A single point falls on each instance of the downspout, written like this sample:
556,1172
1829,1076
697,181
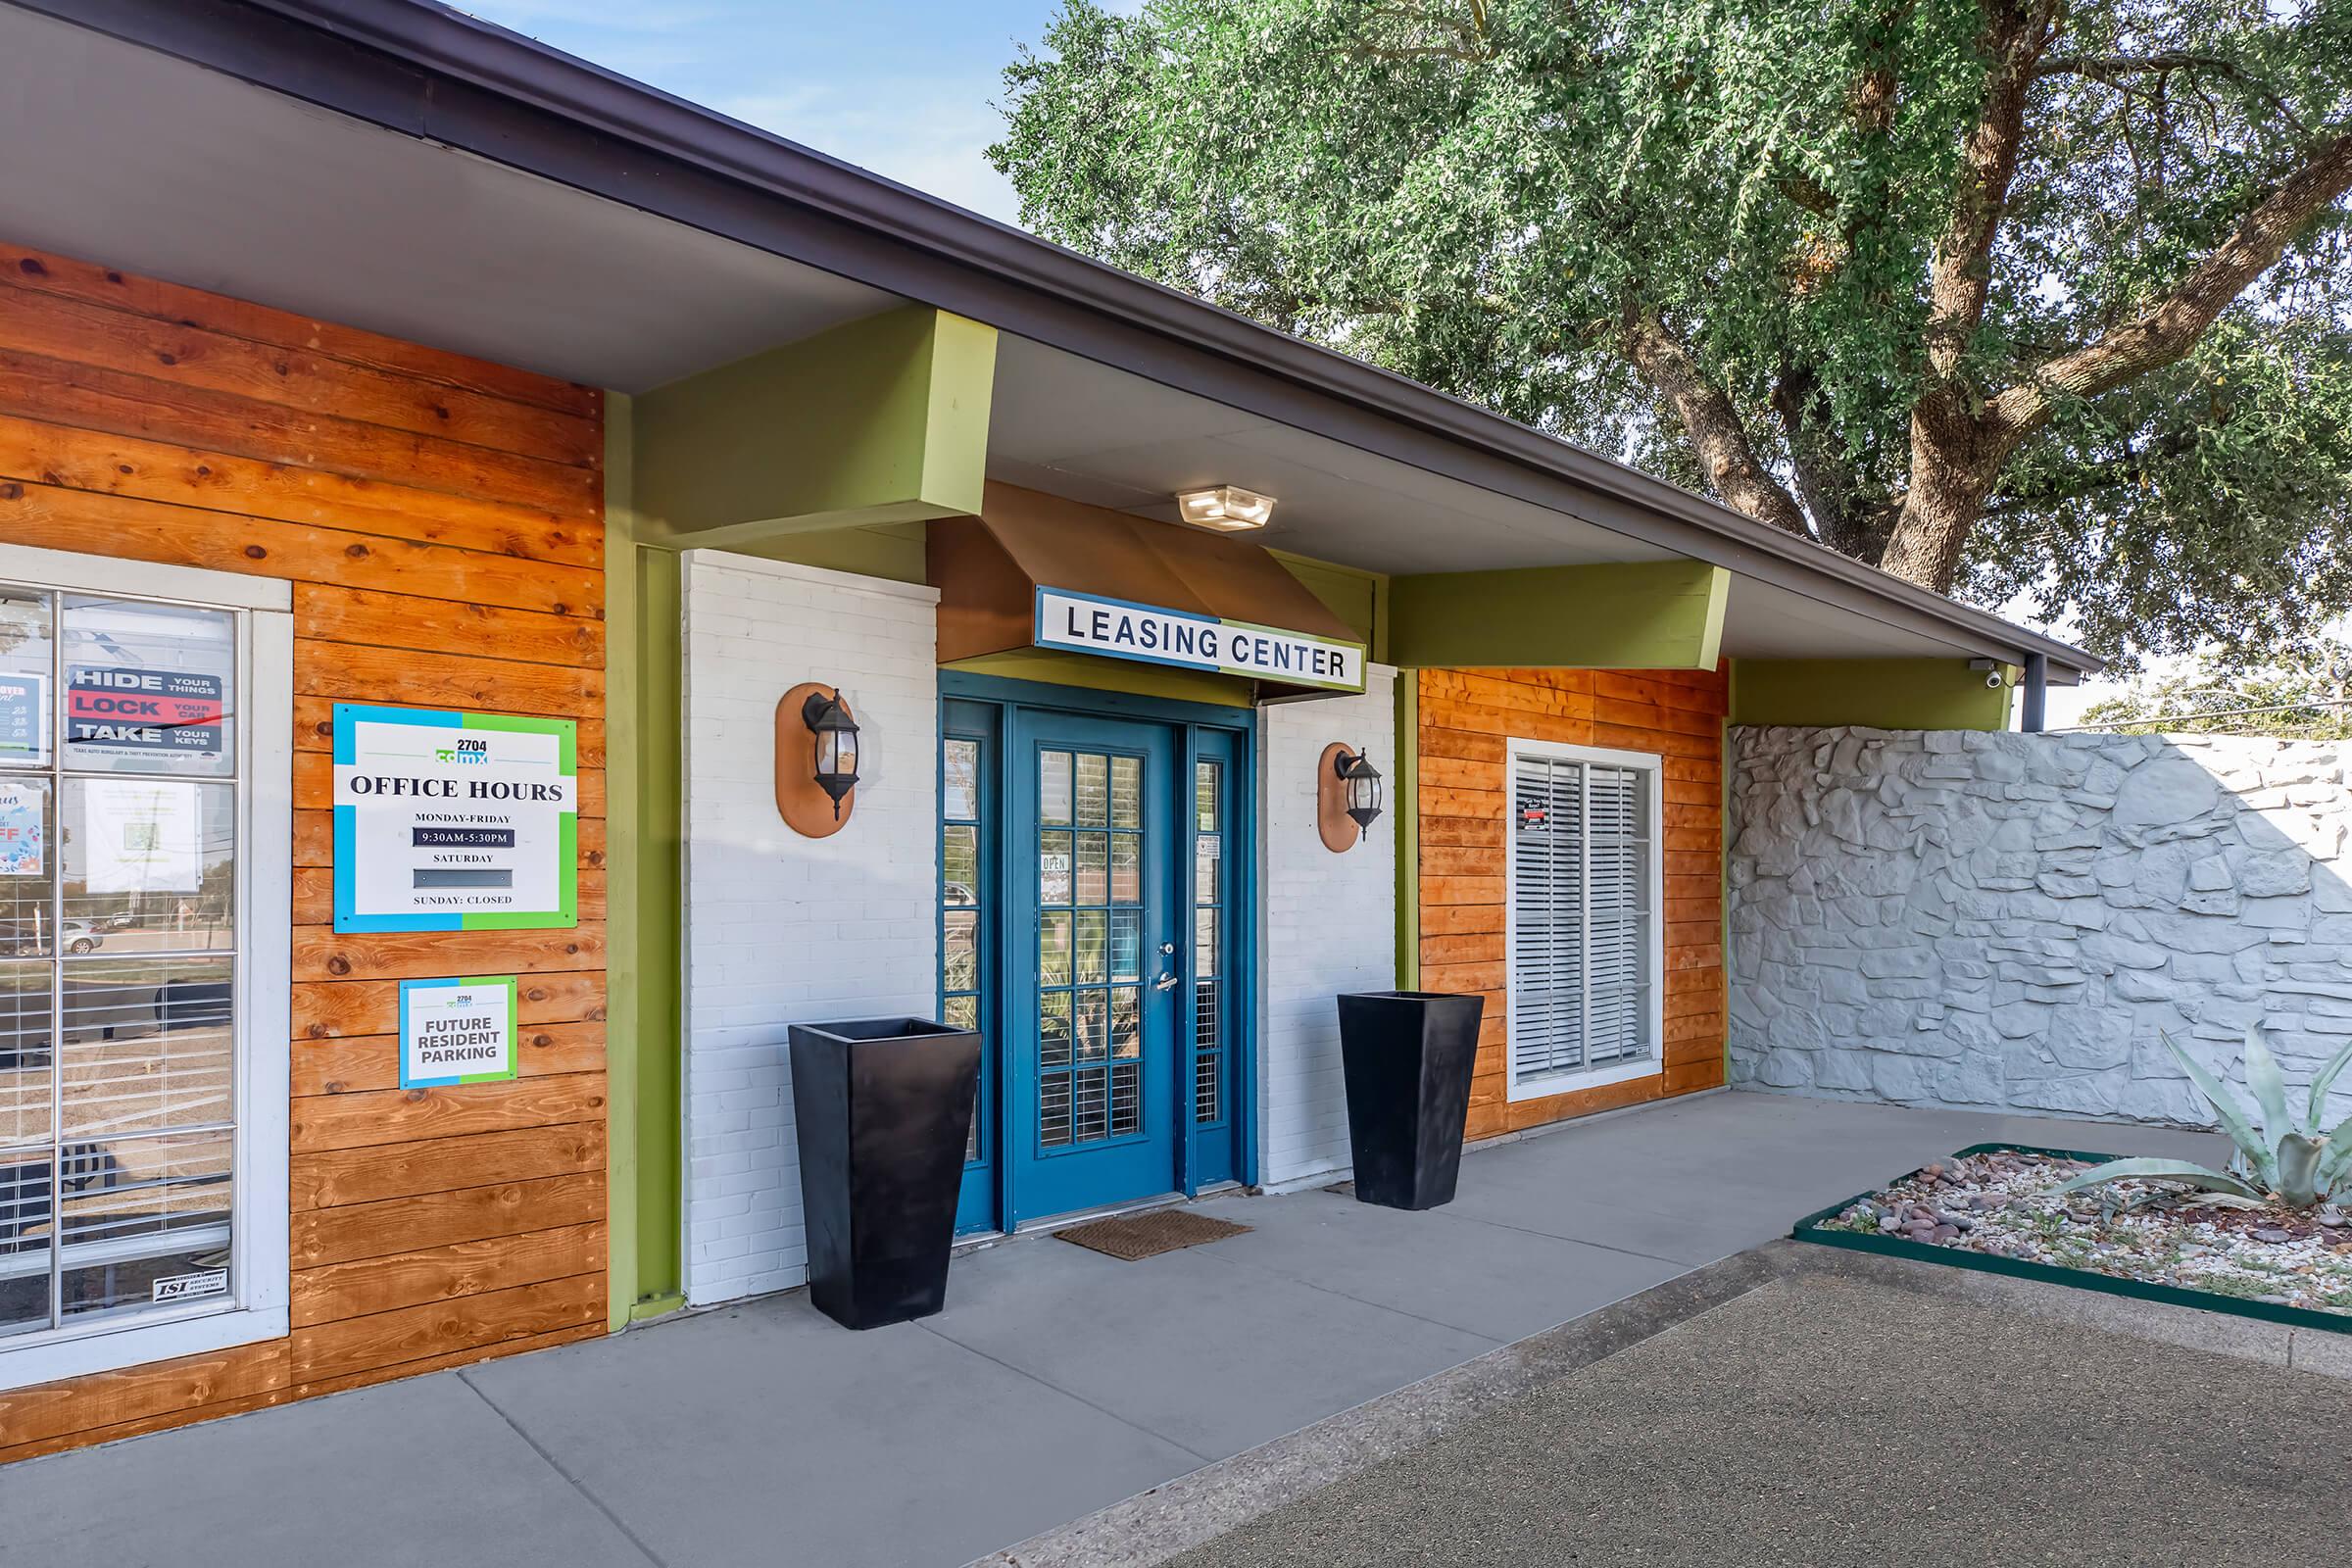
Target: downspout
2037,691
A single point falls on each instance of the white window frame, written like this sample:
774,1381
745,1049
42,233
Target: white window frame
1653,765
260,1259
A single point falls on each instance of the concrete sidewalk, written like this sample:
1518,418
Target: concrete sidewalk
1056,1382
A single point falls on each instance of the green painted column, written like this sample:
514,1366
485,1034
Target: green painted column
832,450
644,1042
1408,829
659,1014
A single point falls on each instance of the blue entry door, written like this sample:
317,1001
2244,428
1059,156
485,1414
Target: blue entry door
1094,1101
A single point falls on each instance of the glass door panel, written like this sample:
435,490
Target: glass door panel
1090,1003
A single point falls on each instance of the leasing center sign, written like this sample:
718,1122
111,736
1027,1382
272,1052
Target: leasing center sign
454,822
1151,635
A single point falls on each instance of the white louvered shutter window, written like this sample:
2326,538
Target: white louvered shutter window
1584,932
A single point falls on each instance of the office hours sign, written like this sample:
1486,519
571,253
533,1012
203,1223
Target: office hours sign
448,821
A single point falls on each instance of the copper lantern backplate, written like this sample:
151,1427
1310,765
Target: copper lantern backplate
1332,820
800,800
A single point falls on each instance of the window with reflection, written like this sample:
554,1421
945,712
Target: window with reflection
119,812
960,963
1089,946
1208,918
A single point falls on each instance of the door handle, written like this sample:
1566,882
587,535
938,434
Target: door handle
1166,982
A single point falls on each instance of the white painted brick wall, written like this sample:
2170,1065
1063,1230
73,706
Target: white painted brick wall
1329,925
782,929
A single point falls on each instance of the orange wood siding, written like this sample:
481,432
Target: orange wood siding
441,520
1467,719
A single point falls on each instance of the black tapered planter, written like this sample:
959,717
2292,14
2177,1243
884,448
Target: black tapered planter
1409,1057
883,1107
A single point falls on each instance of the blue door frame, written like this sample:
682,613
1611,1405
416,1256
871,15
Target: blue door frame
1202,901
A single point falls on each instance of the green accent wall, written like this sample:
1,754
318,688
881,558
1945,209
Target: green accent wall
892,550
878,421
1646,614
1880,693
1358,597
643,869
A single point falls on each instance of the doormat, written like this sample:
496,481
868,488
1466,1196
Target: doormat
1130,1237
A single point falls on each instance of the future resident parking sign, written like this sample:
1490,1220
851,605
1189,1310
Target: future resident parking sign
457,1031
448,821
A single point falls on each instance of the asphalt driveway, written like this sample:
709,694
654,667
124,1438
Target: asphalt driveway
1827,1420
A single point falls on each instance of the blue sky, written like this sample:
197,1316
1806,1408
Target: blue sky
902,88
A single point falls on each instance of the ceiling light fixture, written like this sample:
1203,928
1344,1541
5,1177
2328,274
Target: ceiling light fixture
1225,508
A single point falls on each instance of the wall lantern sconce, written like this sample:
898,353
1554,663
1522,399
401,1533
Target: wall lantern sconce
1347,797
816,759
1225,508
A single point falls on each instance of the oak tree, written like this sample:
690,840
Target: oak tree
2005,296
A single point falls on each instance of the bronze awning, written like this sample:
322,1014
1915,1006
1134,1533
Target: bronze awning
1028,550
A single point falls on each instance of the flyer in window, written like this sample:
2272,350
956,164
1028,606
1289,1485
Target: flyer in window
448,821
140,835
23,717
21,804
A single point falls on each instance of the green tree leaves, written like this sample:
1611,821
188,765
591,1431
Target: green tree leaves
1528,202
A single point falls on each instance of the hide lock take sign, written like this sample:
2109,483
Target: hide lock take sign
143,711
457,1031
448,821
1151,634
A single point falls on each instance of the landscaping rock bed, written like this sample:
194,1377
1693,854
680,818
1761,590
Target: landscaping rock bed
2003,1203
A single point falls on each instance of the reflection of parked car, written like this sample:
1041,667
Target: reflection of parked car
30,936
959,896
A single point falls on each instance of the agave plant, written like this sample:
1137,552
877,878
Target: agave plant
2284,1157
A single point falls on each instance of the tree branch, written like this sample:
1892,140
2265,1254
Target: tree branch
1472,45
1725,451
2167,330
1949,482
1960,275
2107,67
2114,70
1823,482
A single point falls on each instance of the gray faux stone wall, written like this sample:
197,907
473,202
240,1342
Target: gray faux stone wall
2008,922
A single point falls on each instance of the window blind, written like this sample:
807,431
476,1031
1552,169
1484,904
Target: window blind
1582,940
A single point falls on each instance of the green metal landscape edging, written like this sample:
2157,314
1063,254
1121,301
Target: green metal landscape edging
1811,1229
